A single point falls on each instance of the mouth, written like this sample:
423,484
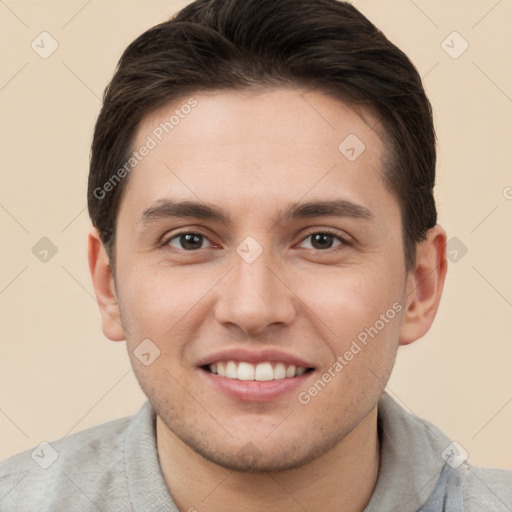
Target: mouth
261,372
248,375
263,381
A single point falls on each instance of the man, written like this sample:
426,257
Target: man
265,238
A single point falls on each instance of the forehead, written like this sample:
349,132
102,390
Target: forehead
250,149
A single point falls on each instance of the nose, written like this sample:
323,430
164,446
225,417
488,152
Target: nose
255,297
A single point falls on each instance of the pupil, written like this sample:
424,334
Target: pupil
323,240
191,241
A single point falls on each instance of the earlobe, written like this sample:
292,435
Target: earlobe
104,288
425,286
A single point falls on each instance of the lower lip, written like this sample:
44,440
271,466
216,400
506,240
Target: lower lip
253,390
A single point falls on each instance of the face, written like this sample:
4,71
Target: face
285,265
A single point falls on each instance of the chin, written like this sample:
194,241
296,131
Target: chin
249,459
256,453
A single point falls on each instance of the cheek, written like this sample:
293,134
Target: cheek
161,303
151,302
362,311
348,301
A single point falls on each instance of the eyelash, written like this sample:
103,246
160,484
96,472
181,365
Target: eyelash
326,231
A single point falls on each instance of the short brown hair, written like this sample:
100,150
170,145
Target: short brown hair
325,45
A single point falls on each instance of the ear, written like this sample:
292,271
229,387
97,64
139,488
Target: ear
425,286
104,288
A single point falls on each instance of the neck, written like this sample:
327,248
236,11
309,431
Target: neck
343,479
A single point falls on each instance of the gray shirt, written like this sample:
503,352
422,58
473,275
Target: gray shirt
113,467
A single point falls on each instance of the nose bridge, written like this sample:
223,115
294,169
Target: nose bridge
253,297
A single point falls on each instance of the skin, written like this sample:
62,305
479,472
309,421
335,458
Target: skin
252,154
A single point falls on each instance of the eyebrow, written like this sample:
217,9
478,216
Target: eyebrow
168,208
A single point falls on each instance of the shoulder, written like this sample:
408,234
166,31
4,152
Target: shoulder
405,440
65,472
487,489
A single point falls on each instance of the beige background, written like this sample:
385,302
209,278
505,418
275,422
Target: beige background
58,374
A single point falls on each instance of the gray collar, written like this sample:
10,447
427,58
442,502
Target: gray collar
411,461
146,483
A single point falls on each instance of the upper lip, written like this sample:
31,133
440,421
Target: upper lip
255,357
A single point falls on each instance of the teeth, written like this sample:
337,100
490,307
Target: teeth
290,371
245,371
231,371
279,371
260,372
264,371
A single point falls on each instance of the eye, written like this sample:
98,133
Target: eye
186,240
325,239
191,241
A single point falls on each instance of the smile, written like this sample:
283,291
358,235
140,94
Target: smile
264,371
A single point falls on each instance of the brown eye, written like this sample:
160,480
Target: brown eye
187,241
322,240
